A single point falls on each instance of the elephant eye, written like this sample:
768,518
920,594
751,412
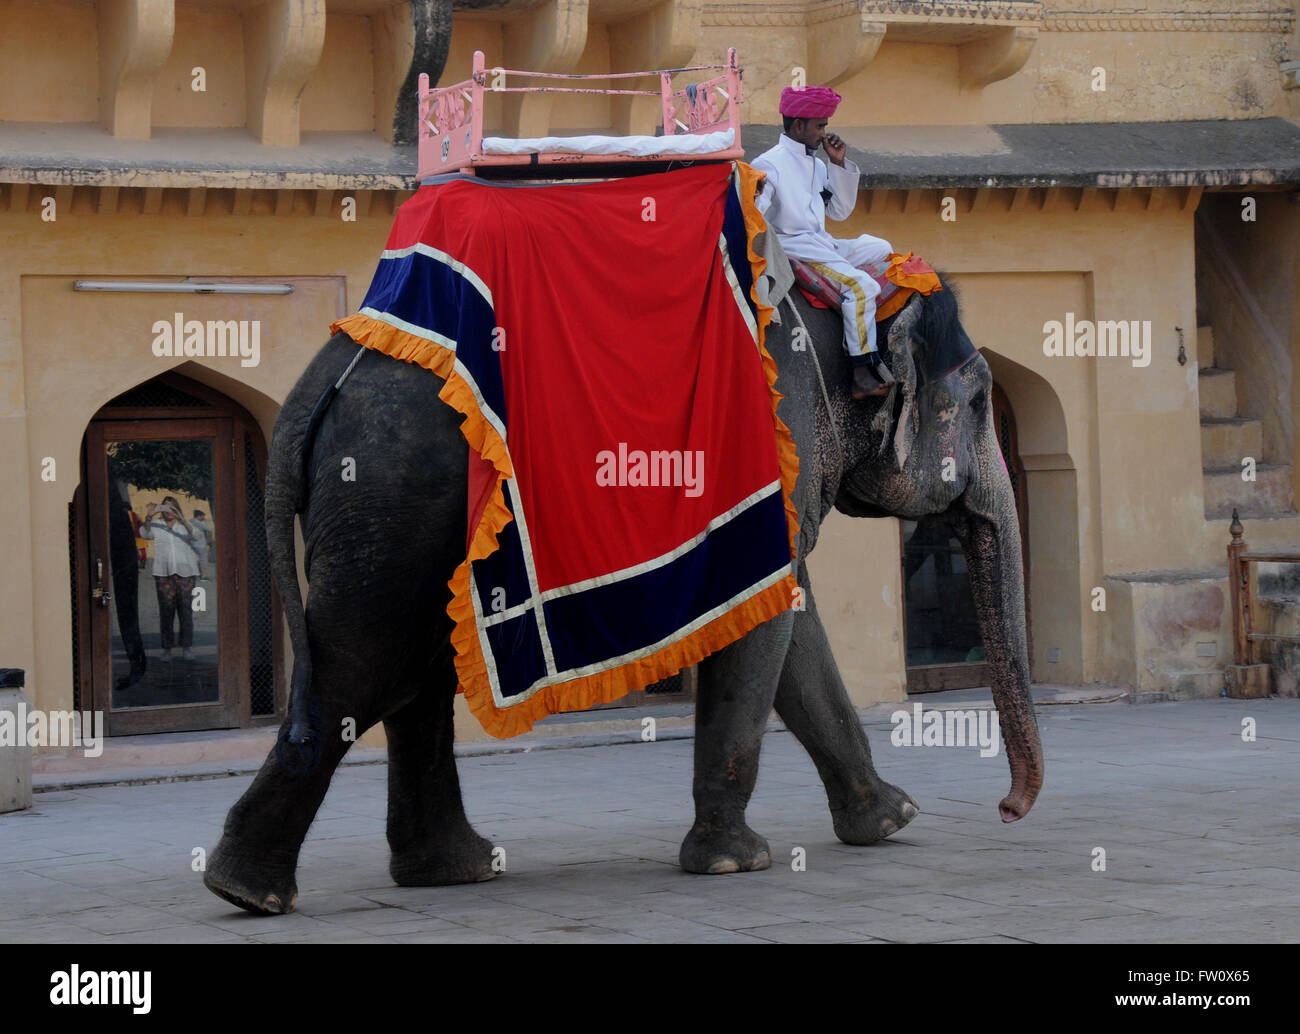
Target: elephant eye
977,402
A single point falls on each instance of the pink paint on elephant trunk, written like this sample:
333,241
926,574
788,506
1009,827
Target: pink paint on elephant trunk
1026,781
1019,729
992,545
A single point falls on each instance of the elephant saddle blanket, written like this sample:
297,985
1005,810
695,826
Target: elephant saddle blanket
899,277
630,481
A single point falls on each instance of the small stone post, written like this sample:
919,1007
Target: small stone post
15,760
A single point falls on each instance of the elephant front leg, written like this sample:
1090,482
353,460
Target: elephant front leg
737,685
432,842
813,703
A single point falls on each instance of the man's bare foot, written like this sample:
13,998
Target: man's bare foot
868,383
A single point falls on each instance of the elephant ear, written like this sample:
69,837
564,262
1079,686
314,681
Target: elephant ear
903,367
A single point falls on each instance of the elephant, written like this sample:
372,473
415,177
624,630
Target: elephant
374,643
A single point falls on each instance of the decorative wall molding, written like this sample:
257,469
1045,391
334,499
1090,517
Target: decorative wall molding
1229,16
26,198
980,11
1261,19
754,16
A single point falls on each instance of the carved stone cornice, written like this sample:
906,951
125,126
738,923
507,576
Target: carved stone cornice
1218,16
754,15
984,12
1260,19
26,198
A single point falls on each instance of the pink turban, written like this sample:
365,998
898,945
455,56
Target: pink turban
809,101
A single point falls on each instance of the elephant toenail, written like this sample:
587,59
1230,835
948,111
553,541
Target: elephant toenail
723,866
888,827
910,811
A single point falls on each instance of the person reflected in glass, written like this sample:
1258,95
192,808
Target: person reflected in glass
175,570
123,527
204,543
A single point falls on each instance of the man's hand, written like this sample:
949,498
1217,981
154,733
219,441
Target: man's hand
835,148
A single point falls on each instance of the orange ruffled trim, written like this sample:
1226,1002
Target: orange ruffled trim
787,455
919,278
605,686
471,667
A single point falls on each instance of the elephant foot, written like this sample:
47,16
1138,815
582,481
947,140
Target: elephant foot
887,810
467,859
251,883
715,852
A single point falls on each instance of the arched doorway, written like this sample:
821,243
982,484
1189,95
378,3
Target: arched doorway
944,648
175,618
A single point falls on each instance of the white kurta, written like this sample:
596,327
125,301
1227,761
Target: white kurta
791,202
172,549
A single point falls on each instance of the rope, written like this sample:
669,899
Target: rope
314,422
355,359
826,398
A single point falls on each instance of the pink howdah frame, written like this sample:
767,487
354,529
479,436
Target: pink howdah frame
450,119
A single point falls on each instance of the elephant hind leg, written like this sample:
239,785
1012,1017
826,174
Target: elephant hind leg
253,864
814,705
432,841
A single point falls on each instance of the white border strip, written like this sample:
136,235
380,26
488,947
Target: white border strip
614,662
646,565
736,292
432,335
446,260
535,596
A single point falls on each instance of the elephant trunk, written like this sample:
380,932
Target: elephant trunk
990,538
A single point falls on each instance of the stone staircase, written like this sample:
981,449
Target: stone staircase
1227,438
1265,506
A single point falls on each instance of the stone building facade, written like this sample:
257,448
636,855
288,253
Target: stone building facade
1060,159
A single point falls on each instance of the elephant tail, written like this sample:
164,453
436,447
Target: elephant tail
285,492
288,480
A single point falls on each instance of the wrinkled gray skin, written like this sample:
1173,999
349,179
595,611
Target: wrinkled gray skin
381,550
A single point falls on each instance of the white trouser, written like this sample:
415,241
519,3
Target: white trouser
858,290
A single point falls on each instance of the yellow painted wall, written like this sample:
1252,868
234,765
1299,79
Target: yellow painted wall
1153,72
1112,451
340,94
1219,62
468,36
65,354
64,85
212,39
1112,493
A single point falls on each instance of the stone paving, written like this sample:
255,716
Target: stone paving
1199,830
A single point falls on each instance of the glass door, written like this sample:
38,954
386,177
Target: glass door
162,593
945,649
